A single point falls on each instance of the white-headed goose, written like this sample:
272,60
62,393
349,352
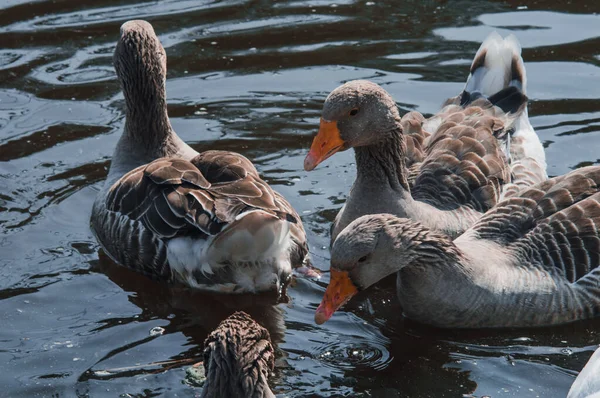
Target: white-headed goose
206,219
532,260
445,171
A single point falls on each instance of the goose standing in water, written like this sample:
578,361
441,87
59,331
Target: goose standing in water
238,358
446,179
532,260
206,220
587,383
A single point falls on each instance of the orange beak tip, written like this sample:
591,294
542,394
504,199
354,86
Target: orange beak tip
310,162
326,143
339,291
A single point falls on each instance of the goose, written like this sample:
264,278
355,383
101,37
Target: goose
205,220
445,171
532,260
587,383
238,358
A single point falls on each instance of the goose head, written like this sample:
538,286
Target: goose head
141,65
238,357
366,251
358,113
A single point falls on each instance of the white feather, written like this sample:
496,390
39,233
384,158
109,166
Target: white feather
496,71
257,249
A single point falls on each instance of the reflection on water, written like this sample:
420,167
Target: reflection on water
251,76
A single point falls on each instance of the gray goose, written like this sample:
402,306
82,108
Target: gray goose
238,358
587,383
445,171
532,260
206,220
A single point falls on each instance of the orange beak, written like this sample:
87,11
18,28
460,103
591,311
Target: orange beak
326,143
339,291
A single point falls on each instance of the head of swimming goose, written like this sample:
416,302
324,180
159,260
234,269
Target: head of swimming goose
369,249
238,358
357,114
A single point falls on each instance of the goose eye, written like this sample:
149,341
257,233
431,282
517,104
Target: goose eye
362,259
353,111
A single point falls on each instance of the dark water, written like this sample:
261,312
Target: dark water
251,76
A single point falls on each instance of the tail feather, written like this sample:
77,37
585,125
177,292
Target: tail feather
497,65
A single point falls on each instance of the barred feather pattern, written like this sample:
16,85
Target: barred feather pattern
171,197
552,229
463,164
238,358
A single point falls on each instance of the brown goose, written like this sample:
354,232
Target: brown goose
532,260
238,358
206,220
446,179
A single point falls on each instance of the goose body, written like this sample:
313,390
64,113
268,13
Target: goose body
238,358
206,220
587,383
532,260
445,171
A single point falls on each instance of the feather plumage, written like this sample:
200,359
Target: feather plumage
203,219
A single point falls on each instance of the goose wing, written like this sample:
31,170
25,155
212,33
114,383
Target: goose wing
172,197
553,225
464,164
224,166
415,138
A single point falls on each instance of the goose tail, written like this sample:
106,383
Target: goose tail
498,73
496,66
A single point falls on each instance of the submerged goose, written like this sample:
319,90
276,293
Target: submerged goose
238,358
532,260
587,384
206,220
446,179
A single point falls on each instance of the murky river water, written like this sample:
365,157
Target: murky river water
251,76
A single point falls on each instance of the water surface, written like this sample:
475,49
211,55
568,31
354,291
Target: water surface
251,76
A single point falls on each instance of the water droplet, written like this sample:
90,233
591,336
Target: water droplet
567,351
523,339
157,331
